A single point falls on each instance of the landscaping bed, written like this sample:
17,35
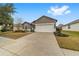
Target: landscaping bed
69,42
14,35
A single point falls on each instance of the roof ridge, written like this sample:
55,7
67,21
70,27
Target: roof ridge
45,17
72,22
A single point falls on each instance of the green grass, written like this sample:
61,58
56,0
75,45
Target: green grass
14,35
70,42
72,33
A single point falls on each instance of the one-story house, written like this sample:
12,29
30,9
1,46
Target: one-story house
42,24
45,24
26,26
72,26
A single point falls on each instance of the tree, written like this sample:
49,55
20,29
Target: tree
6,11
19,24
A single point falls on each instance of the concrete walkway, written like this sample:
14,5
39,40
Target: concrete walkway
36,44
68,52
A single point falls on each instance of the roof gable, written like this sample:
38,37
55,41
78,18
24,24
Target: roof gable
26,23
44,19
73,22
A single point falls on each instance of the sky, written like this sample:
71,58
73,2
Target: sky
63,12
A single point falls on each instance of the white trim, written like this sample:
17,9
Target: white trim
44,23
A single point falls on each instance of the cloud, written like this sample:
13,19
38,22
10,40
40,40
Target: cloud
59,10
67,12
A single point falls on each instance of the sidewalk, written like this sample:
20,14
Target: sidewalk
68,52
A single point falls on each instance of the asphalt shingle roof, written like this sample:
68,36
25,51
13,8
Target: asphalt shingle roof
73,22
44,19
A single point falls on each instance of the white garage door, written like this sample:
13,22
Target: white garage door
45,28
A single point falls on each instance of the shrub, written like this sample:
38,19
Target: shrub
3,30
32,30
19,31
58,30
59,33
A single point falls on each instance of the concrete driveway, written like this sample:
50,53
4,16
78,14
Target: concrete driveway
36,44
5,41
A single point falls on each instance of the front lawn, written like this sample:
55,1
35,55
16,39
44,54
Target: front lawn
69,42
14,35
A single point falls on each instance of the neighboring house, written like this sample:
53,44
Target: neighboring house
45,24
27,26
72,26
60,26
24,27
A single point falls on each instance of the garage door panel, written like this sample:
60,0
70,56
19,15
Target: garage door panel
44,28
